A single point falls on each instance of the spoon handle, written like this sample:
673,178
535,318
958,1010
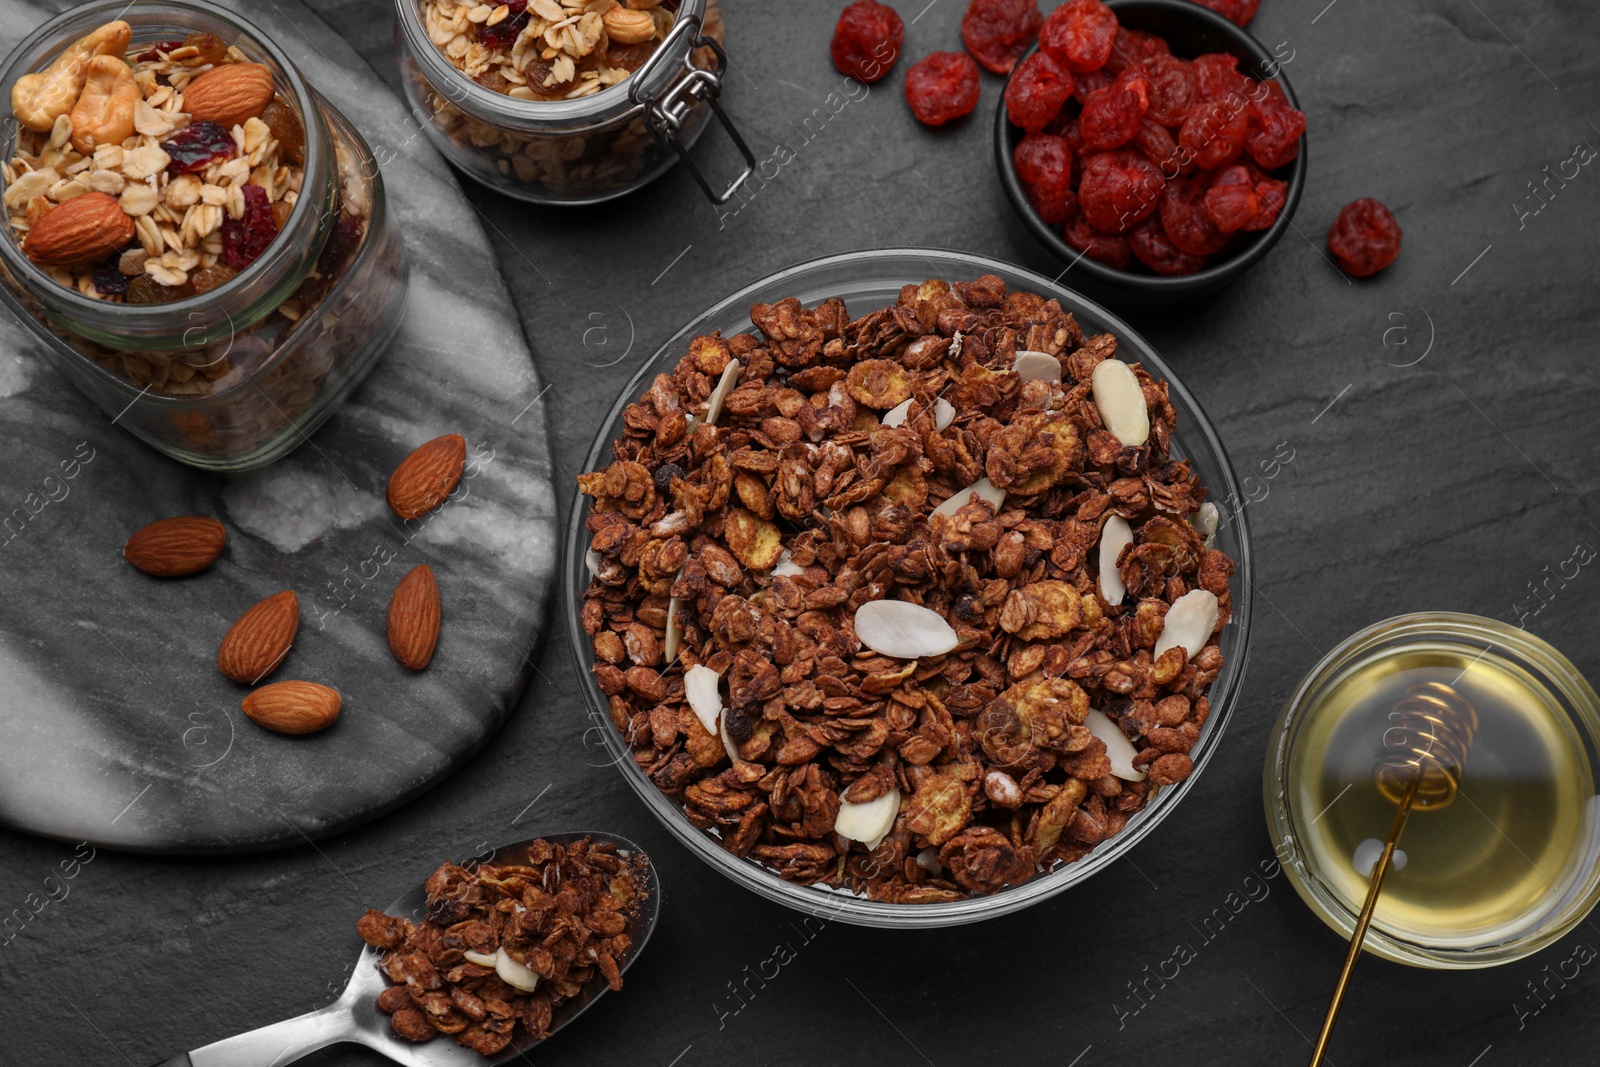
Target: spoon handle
282,1042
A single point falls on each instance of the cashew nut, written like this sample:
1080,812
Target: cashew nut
629,27
104,111
39,99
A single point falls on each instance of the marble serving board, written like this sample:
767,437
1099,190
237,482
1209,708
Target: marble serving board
115,726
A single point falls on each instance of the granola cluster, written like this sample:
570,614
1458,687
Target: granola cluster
503,945
948,453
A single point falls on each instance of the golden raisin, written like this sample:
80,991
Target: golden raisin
209,278
286,129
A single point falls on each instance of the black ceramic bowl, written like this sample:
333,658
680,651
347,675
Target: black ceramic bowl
1190,30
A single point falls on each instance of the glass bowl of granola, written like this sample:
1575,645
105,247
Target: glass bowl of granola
566,101
198,241
910,606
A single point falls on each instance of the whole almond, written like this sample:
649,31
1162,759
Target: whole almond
255,644
229,94
171,548
83,229
293,707
414,618
426,477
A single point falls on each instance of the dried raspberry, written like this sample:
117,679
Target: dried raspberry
245,238
1036,91
1275,139
504,34
1087,83
1214,133
1184,218
1118,189
1217,76
942,86
1232,206
158,48
1079,34
997,32
1236,11
867,40
1111,116
1044,166
197,145
1365,238
1173,90
1154,250
110,282
1131,47
1106,248
1157,145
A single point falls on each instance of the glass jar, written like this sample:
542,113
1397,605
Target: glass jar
237,376
576,151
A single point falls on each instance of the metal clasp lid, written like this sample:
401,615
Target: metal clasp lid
666,115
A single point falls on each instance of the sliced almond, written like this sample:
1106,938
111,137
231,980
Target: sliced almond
480,958
1115,535
729,745
730,375
1037,367
514,974
903,630
701,687
869,821
1189,623
1205,520
1121,402
672,640
985,490
944,413
591,559
1118,748
896,416
787,566
928,860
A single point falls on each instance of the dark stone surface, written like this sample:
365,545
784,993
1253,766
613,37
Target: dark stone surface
131,738
1448,484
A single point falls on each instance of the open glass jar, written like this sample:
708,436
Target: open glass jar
235,370
593,145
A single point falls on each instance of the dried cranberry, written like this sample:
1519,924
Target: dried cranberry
504,34
1036,92
942,86
110,282
1111,116
198,145
1214,133
1157,145
1217,76
1118,189
1274,140
997,32
1079,34
1085,84
1232,206
1365,238
1154,250
1131,47
1106,248
245,238
1236,11
158,48
867,40
1184,218
1044,166
1172,89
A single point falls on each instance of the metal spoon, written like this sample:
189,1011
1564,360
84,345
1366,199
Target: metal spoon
354,1017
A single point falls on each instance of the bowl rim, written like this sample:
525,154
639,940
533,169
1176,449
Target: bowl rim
1466,631
1049,237
834,904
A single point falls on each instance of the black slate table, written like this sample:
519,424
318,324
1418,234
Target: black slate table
1441,417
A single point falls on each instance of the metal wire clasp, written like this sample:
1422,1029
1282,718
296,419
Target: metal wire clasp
666,115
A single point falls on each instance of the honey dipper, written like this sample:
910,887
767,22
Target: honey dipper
1425,749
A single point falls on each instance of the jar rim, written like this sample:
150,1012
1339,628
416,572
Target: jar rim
575,116
70,300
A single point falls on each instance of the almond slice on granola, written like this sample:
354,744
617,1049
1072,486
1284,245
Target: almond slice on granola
1115,535
1037,367
985,490
904,630
1119,750
1121,402
719,395
701,689
868,821
943,413
1189,623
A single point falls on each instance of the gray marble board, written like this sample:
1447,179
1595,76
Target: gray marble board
115,726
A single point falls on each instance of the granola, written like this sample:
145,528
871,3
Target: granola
507,944
958,743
